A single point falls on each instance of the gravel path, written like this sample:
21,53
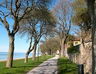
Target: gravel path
47,67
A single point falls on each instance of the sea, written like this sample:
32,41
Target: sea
3,55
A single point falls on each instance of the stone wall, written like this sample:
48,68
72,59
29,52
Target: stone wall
84,57
74,57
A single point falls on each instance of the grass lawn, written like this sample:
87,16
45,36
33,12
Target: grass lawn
19,67
65,66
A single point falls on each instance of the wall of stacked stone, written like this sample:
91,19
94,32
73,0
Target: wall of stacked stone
84,57
74,57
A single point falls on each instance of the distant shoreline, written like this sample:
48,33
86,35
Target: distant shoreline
14,59
4,55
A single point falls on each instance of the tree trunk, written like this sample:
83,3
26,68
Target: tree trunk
10,52
62,50
66,53
26,57
27,53
91,10
50,52
34,53
62,47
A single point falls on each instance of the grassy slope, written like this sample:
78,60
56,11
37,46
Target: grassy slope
20,67
65,66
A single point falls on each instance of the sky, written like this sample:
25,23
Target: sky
21,44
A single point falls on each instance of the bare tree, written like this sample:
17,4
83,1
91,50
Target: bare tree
62,13
50,46
36,27
16,11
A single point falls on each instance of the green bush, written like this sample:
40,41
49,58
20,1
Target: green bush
66,66
73,49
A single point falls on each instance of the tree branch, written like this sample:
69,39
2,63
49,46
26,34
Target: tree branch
5,24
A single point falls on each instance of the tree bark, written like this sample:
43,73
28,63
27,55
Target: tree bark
91,10
27,53
34,53
26,57
62,50
62,47
11,51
